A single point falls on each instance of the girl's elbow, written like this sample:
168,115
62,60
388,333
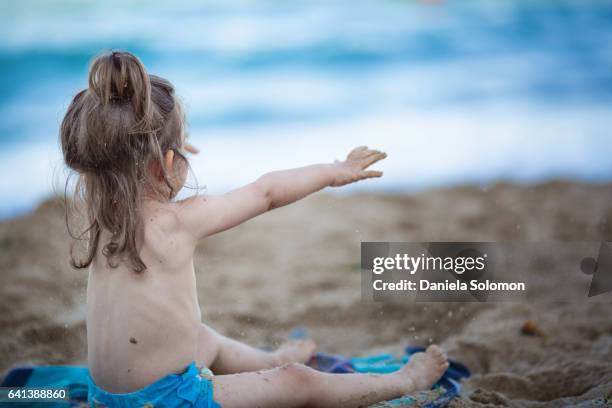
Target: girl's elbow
265,192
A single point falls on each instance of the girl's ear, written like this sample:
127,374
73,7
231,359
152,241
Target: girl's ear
169,160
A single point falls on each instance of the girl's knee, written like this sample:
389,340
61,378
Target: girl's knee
301,379
298,371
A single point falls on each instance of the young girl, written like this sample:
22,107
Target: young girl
147,346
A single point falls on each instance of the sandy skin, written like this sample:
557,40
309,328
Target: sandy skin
296,385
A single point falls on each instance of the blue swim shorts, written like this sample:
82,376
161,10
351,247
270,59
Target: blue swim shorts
192,388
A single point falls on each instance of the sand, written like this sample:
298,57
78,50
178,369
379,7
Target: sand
299,266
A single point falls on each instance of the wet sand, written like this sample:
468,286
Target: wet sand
299,266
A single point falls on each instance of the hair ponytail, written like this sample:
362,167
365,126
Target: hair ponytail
120,77
112,131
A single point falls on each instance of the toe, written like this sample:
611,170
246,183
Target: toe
437,353
433,349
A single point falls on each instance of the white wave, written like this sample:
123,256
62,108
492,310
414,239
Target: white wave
426,149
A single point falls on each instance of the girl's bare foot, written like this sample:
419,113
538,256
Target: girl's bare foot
424,369
295,351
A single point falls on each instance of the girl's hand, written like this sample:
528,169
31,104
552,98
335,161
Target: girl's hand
354,167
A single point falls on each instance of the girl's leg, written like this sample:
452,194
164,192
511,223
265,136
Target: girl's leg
296,385
227,356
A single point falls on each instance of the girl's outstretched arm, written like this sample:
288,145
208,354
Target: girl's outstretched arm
207,215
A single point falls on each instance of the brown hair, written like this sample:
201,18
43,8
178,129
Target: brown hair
113,130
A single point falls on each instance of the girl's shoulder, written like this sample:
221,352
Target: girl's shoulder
163,217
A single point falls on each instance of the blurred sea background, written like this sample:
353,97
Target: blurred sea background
457,92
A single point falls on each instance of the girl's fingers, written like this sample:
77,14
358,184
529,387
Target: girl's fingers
191,148
372,173
371,153
370,160
358,151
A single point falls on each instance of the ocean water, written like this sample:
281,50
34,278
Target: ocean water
471,91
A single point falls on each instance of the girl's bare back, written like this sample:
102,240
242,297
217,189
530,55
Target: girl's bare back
142,327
